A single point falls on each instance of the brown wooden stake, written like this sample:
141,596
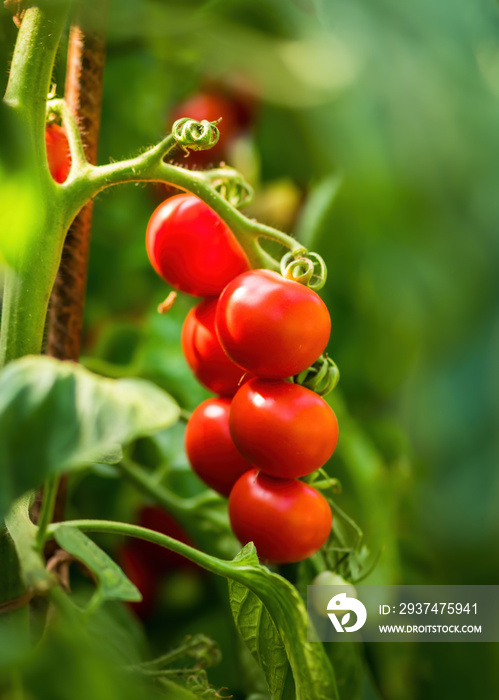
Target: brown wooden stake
84,77
83,94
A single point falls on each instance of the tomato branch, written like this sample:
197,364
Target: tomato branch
206,185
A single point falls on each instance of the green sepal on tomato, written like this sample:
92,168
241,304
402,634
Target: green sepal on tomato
210,449
190,246
271,326
287,520
284,429
58,152
204,354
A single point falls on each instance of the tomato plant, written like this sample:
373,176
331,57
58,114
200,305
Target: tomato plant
204,354
191,247
286,519
271,326
124,423
284,429
210,448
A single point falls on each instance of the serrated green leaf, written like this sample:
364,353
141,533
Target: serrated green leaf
313,675
261,637
112,582
56,416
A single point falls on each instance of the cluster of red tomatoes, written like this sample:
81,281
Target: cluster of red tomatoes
252,332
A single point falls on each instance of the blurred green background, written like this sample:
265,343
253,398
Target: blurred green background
374,136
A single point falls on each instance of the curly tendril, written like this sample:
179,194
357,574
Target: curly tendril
304,267
321,377
194,135
234,190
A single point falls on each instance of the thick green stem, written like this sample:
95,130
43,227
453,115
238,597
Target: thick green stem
31,68
27,287
29,281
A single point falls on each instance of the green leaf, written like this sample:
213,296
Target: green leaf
56,416
112,582
261,637
275,622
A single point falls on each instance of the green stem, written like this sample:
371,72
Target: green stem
47,510
29,281
208,562
202,516
78,161
24,534
173,504
31,68
150,166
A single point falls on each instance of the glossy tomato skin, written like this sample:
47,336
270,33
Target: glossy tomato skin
284,429
190,246
210,449
286,519
204,354
58,153
271,326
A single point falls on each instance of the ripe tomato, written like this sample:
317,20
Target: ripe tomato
286,519
271,326
210,449
204,354
58,153
191,247
284,429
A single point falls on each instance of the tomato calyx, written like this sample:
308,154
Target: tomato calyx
195,135
321,377
305,267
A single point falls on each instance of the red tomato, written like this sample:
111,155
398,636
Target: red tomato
204,354
284,429
212,106
286,519
191,247
271,326
58,153
210,449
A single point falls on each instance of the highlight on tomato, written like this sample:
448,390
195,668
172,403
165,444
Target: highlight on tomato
271,326
190,246
286,519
